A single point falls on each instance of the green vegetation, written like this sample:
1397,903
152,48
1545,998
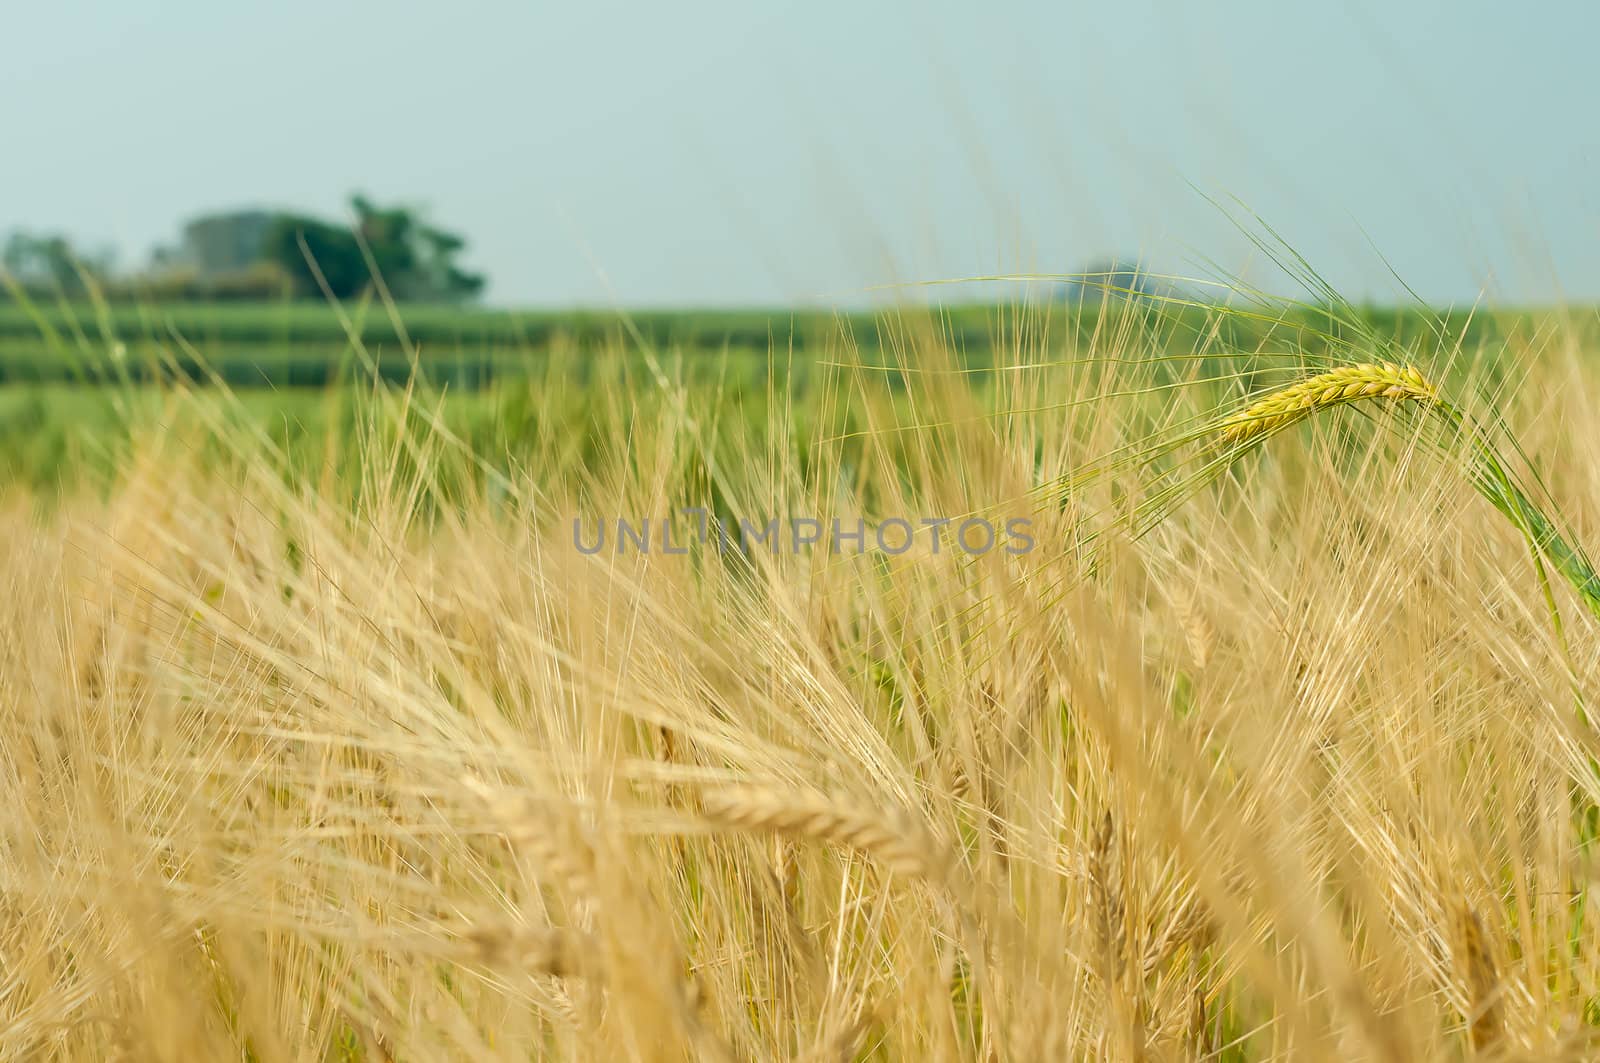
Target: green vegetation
307,344
417,261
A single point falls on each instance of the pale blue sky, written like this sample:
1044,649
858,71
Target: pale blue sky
722,153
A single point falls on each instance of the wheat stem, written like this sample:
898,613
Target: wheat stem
1389,380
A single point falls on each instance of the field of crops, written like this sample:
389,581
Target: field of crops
308,344
398,720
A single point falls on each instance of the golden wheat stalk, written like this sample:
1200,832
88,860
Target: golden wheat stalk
1198,632
1106,911
1348,383
562,857
1484,1020
534,950
1124,986
893,838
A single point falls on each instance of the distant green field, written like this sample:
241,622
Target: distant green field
54,435
442,328
78,383
312,344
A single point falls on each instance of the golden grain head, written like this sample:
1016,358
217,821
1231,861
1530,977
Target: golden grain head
1367,380
1482,979
892,837
534,950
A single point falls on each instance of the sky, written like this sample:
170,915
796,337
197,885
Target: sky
714,153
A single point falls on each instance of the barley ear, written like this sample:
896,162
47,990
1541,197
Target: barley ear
549,950
1350,383
1481,978
893,838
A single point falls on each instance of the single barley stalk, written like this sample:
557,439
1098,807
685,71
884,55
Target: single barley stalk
1124,985
1187,925
1488,473
1106,909
959,784
1349,383
1200,1037
669,751
1482,981
893,838
562,857
1198,632
549,950
786,873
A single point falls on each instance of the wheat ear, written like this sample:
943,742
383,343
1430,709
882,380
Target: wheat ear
1281,408
1488,473
1106,910
1124,984
1482,981
893,838
565,859
535,950
1198,632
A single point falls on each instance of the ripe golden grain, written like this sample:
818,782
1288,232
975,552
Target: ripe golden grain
1281,408
1482,979
534,950
1108,913
1106,907
1198,632
960,783
561,857
1199,1037
892,837
786,873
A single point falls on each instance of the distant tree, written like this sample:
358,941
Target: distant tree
48,260
417,261
303,246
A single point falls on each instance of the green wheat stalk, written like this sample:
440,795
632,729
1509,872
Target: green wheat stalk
1284,406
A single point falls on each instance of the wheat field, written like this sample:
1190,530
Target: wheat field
1274,745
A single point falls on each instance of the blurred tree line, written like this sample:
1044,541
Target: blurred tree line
256,254
49,260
